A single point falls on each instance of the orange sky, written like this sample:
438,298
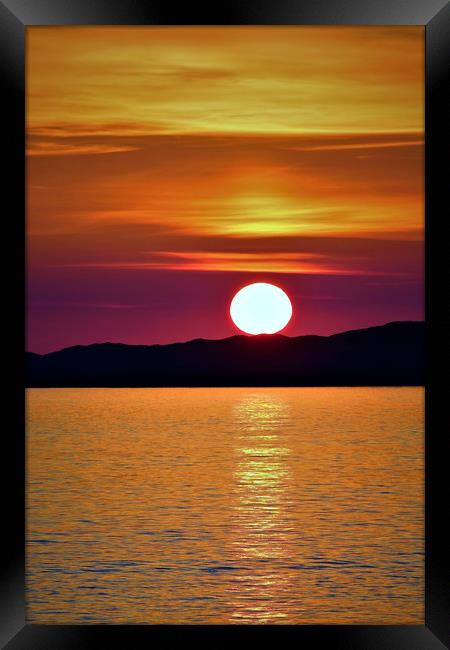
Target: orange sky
226,149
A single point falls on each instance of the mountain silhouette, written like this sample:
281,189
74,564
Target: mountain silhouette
389,355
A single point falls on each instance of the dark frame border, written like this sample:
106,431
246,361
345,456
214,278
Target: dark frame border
15,16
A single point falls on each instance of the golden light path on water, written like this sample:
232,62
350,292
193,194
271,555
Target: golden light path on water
260,524
238,505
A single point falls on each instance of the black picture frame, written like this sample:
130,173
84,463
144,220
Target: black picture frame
15,16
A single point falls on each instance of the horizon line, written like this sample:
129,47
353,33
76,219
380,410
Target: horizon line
243,334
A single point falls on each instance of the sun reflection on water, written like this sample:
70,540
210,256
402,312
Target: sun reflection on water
261,502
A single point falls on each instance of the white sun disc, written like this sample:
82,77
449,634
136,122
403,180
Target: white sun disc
261,308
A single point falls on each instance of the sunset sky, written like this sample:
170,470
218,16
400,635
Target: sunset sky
169,166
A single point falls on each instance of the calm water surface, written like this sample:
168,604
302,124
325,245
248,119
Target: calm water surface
236,505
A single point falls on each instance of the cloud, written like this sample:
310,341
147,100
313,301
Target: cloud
270,79
300,255
233,261
68,149
366,145
226,186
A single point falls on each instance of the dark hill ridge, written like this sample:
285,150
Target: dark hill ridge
389,355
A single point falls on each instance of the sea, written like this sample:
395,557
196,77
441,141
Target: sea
225,506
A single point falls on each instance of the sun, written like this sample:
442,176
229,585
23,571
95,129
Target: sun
261,308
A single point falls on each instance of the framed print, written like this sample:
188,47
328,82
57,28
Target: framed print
228,227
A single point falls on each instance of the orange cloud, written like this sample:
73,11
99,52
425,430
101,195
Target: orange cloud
225,80
159,139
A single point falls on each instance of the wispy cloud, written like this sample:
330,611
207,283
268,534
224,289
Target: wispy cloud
224,80
70,149
366,145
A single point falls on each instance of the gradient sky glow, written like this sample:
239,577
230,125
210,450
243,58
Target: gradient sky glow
169,166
